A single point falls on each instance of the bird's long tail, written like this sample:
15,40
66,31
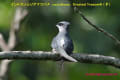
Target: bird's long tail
65,55
61,70
61,65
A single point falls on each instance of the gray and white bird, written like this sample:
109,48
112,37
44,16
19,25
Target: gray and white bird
62,43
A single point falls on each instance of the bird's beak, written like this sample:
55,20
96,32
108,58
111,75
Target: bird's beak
57,26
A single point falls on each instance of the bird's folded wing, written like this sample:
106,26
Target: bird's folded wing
65,55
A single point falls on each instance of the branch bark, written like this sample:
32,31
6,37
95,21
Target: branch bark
42,55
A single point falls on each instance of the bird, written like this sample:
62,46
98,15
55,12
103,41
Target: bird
62,43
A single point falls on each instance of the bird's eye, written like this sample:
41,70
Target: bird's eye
60,24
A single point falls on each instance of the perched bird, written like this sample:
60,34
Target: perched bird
62,43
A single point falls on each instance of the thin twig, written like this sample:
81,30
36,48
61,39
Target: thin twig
98,28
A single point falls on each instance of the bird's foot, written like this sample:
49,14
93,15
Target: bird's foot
54,51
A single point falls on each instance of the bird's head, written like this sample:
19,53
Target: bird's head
63,25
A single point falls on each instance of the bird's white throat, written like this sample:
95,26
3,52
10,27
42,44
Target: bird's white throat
61,29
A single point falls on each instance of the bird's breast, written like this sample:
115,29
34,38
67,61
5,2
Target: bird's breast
62,42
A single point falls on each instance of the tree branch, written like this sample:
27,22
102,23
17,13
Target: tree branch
4,65
42,55
15,26
99,29
3,44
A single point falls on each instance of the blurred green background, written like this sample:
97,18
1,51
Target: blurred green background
38,29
